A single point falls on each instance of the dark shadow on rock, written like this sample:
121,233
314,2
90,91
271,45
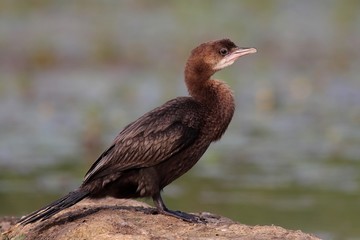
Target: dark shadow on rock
71,216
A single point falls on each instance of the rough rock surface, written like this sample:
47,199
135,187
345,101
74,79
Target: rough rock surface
128,219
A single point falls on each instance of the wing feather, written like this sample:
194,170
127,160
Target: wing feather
151,139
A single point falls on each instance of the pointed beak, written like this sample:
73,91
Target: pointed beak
232,57
241,52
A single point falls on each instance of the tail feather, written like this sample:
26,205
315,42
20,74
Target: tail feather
55,207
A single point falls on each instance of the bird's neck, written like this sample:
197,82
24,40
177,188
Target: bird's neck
205,90
213,94
218,99
196,77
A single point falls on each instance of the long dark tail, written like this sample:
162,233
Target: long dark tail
55,207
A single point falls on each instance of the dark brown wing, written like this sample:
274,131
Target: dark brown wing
151,139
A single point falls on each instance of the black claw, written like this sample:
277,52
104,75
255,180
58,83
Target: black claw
184,216
177,214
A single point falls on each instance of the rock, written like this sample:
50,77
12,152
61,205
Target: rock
109,218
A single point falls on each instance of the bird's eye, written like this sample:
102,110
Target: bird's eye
223,51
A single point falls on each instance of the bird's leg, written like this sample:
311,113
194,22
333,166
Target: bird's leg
160,205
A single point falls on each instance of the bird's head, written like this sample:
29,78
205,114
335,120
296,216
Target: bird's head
210,57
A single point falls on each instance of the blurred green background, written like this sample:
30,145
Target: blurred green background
73,73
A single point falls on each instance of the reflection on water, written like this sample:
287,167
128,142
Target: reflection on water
72,77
